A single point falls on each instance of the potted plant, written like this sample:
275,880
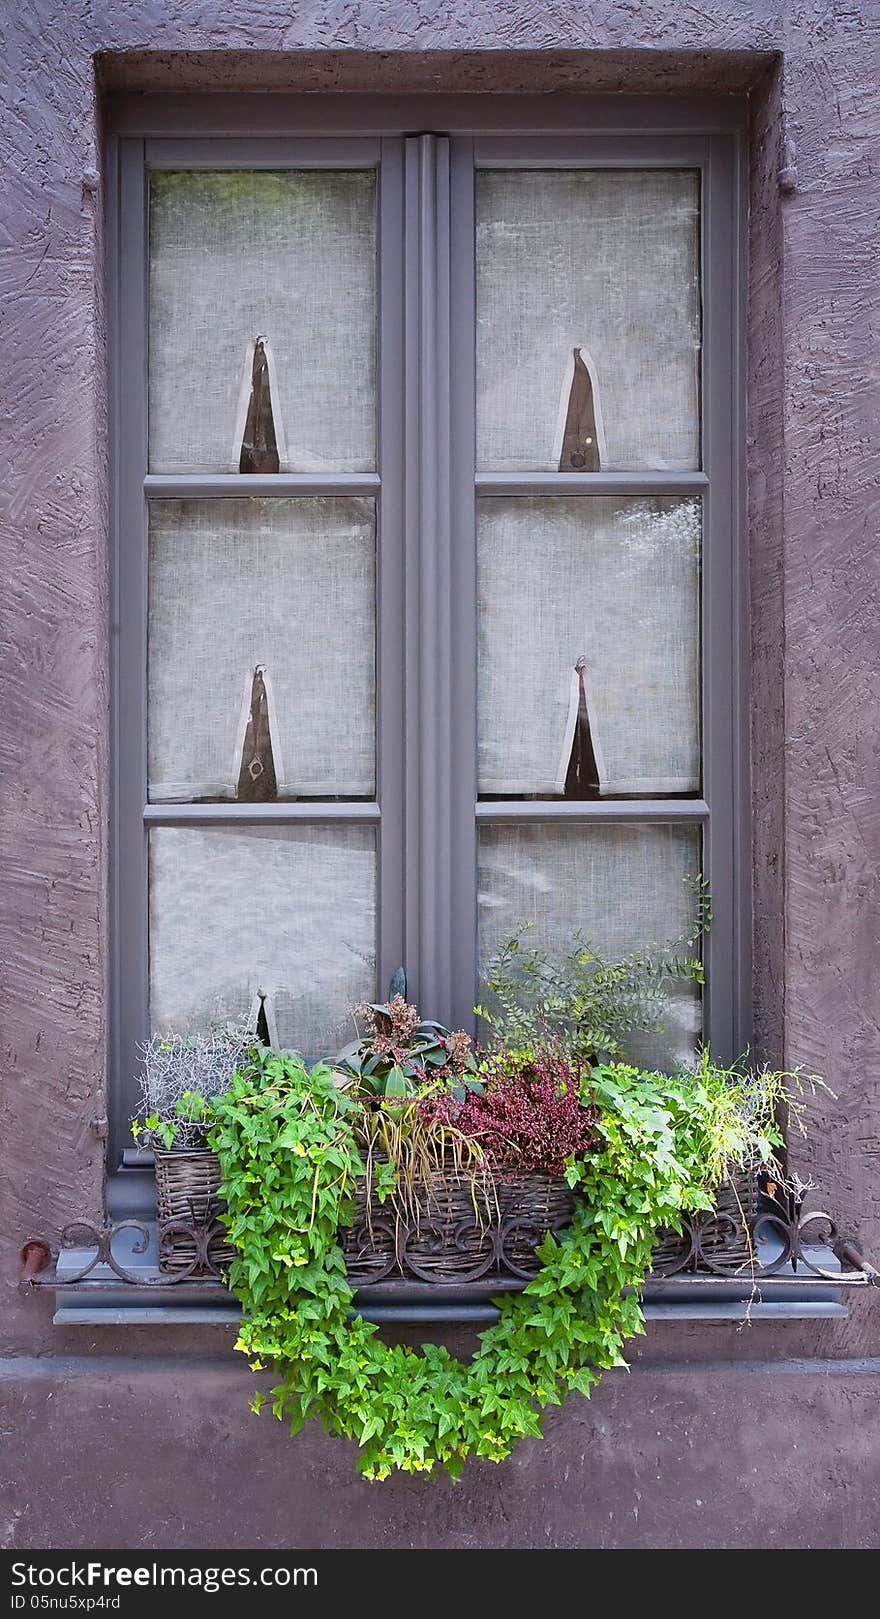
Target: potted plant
595,1004
638,1152
463,1157
398,1053
180,1074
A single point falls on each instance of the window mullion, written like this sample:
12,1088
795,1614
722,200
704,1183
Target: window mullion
391,576
428,565
434,746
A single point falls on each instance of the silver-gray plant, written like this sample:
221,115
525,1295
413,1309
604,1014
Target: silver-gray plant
179,1073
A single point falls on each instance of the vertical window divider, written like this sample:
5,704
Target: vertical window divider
391,606
430,728
463,657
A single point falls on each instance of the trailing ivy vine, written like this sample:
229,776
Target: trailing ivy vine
288,1149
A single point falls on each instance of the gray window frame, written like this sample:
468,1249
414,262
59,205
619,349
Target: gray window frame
426,809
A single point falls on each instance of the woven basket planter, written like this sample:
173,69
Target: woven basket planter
458,1228
187,1187
724,1235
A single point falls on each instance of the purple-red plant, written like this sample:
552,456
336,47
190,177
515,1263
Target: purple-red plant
529,1116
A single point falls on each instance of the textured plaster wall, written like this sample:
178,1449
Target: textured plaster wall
811,70
659,1465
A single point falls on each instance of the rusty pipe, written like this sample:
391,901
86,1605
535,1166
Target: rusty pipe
848,1254
35,1256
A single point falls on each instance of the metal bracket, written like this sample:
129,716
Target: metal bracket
788,174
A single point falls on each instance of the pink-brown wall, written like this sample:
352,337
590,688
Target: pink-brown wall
690,1449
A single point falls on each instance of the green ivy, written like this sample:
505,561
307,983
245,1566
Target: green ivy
287,1143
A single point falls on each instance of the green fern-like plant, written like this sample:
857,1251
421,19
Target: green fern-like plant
592,1000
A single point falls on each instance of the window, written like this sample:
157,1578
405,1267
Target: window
427,601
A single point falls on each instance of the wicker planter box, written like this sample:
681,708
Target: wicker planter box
460,1228
719,1240
187,1187
463,1229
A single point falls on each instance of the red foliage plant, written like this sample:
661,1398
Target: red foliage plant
529,1117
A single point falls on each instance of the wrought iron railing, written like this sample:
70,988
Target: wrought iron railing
777,1252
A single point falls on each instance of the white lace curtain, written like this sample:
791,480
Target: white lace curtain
240,913
615,582
289,257
284,585
606,260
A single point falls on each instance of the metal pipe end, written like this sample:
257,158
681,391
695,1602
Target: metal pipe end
36,1255
848,1254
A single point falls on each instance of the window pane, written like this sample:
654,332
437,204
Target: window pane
605,263
619,887
612,586
277,591
270,273
287,913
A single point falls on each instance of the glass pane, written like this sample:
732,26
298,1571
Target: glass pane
288,914
589,646
588,319
262,322
262,679
619,887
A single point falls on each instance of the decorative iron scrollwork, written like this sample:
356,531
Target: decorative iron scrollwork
82,1234
774,1237
207,1240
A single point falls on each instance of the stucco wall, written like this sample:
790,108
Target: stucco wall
814,406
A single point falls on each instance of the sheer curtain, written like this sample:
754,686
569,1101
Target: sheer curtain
613,581
289,257
288,913
620,887
284,585
602,259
